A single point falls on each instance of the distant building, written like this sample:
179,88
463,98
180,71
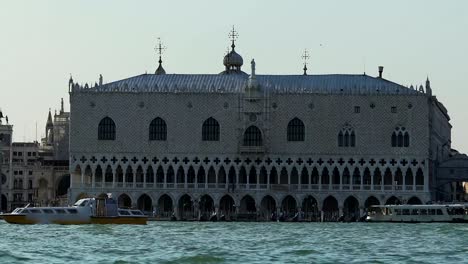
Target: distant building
33,173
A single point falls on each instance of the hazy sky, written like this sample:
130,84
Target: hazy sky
42,42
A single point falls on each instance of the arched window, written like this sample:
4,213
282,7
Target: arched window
106,129
346,137
158,129
296,130
400,137
210,130
253,136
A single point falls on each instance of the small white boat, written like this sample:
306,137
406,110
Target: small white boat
101,210
450,213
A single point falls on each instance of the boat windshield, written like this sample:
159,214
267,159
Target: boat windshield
81,203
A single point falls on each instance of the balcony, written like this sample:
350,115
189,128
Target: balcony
252,149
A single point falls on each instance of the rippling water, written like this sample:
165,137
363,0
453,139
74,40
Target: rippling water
194,242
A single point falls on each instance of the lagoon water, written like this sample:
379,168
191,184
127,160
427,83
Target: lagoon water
197,242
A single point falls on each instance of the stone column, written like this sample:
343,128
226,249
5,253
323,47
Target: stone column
114,171
185,180
320,181
372,182
82,178
93,178
134,177
268,180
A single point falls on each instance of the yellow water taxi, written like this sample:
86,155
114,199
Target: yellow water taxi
101,210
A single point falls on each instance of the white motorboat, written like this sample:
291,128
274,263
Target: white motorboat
101,210
450,213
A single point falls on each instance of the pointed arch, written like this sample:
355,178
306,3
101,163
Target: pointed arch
191,175
149,174
414,200
253,136
305,176
325,176
367,178
370,201
263,176
346,176
119,174
393,200
139,174
346,136
273,176
377,178
160,175
247,205
400,137
180,177
294,176
398,177
253,175
409,177
330,209
211,175
314,176
124,201
232,177
242,175
186,208
106,129
108,175
336,176
268,208
97,174
145,203
296,130
351,209
129,174
158,129
283,176
289,206
227,207
210,130
388,177
201,176
357,177
221,176
419,177
310,208
170,175
165,206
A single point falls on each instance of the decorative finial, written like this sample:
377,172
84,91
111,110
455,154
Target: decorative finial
252,63
159,50
306,57
61,107
233,35
100,80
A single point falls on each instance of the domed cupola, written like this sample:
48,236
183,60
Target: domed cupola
233,61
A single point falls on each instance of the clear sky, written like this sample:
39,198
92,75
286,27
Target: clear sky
42,42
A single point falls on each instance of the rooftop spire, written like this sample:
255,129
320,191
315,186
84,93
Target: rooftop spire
306,57
233,35
61,107
49,123
159,49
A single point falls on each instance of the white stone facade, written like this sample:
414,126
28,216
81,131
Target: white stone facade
373,108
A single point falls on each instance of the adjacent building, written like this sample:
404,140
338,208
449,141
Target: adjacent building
34,173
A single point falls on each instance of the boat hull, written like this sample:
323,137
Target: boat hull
119,220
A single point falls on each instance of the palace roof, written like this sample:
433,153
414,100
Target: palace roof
236,83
